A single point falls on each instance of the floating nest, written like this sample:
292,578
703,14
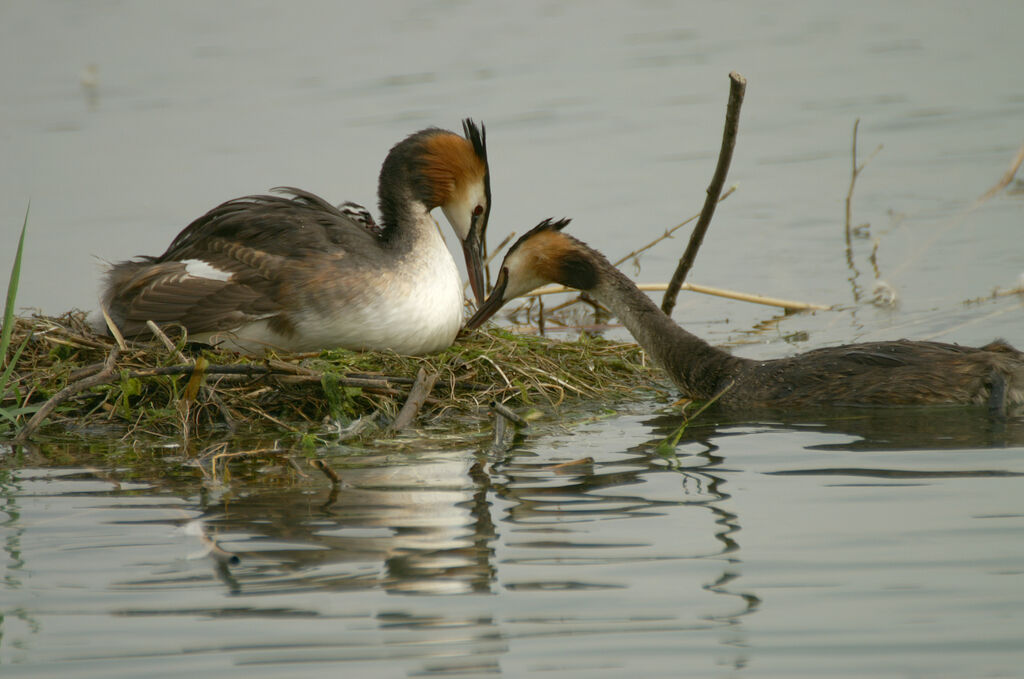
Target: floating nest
74,381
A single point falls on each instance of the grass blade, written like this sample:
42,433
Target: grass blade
12,294
8,325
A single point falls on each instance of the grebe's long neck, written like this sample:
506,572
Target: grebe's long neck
698,369
402,215
413,181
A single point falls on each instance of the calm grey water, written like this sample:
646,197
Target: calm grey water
854,544
884,545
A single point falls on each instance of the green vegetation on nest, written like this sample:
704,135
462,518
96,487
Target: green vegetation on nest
151,389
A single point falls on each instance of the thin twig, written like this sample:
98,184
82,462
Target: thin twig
417,397
195,385
961,218
360,380
165,340
668,232
583,297
494,365
737,87
502,244
509,414
1006,179
105,376
114,330
996,294
788,305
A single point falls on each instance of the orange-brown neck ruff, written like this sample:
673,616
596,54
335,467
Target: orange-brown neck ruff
449,164
555,256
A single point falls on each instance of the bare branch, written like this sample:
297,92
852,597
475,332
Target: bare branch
737,87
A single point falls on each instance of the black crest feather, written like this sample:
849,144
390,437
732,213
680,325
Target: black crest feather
477,136
548,224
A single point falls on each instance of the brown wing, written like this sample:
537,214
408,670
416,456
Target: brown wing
238,263
889,373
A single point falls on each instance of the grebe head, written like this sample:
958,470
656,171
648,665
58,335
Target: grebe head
448,171
541,256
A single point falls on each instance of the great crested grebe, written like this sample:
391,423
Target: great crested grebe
295,273
872,373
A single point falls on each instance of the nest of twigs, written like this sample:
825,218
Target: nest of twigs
85,382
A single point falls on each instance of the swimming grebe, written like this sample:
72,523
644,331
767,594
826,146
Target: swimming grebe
873,373
298,274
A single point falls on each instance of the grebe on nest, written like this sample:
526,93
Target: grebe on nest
901,372
295,273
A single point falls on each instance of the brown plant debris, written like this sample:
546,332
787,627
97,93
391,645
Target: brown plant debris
83,382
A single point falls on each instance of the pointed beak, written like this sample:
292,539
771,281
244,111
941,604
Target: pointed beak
490,306
475,250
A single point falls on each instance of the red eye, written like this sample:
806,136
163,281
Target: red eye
478,210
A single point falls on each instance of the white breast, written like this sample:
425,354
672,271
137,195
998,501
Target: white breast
413,307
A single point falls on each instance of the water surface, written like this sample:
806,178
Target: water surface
771,548
867,543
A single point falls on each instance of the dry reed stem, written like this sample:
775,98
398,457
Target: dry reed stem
788,305
114,330
165,340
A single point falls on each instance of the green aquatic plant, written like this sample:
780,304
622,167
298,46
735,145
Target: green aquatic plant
9,414
666,448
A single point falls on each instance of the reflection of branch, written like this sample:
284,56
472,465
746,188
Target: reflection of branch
855,172
215,550
215,457
737,87
318,463
857,169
